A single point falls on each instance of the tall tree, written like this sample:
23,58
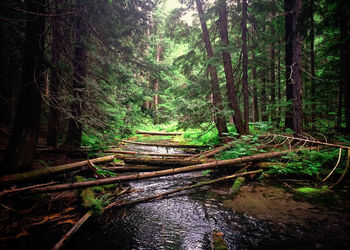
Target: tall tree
296,77
288,8
226,57
75,126
54,112
245,65
345,57
312,62
22,146
272,66
215,88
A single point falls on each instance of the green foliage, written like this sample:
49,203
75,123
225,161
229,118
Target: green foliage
311,163
244,146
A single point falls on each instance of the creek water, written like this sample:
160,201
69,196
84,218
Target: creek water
188,220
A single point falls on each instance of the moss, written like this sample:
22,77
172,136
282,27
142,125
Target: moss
317,196
237,185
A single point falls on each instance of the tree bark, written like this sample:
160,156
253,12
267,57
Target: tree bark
215,88
245,66
75,126
312,64
21,149
272,70
296,70
54,112
264,116
288,8
255,91
345,60
158,133
226,57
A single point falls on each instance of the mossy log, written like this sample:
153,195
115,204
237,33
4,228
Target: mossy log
146,154
152,161
168,145
158,133
39,173
140,176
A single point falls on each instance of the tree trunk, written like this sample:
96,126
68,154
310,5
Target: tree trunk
21,149
288,8
312,64
255,91
279,92
245,66
215,88
75,126
226,56
264,116
156,86
345,61
272,70
54,112
296,70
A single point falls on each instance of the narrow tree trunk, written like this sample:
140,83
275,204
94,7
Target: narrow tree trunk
21,150
245,66
296,71
272,70
345,61
231,90
288,8
75,126
156,86
215,88
255,91
312,64
264,116
279,92
54,112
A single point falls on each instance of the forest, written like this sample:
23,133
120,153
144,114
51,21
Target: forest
163,121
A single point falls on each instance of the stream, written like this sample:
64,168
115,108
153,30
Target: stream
262,216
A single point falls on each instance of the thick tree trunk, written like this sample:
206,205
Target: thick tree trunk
54,112
75,126
288,8
296,71
245,66
230,86
21,150
215,88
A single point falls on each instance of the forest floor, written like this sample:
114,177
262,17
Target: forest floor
24,220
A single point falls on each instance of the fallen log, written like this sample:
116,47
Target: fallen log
35,174
140,176
149,154
74,229
158,133
127,203
159,161
168,145
138,168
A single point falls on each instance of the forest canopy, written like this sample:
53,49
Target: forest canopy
89,72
